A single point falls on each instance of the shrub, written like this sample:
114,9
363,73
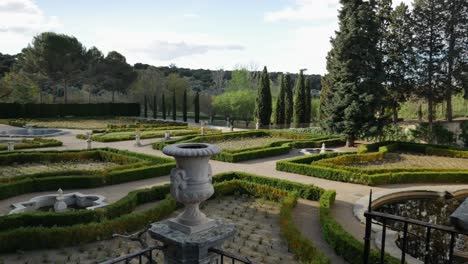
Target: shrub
34,143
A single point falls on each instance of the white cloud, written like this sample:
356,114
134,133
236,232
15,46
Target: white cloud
24,17
305,10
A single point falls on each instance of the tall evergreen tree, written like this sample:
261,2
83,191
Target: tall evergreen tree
325,97
146,107
281,104
428,29
263,104
355,72
174,106
155,107
456,46
308,101
184,106
163,107
288,100
196,107
400,59
300,107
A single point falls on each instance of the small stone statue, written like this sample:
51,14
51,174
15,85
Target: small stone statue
323,150
167,135
202,128
137,137
11,146
60,205
89,140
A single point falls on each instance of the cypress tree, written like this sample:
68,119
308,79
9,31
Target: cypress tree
308,101
263,104
163,107
289,102
174,106
355,73
428,30
196,106
155,107
299,101
281,104
184,106
146,107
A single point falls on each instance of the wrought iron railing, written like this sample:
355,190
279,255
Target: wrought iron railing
148,254
385,221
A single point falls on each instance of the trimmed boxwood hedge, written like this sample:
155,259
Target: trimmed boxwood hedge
292,140
34,143
333,166
132,166
344,244
109,137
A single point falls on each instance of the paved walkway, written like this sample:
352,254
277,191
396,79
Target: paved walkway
347,193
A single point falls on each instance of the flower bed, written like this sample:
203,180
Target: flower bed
290,140
335,166
132,166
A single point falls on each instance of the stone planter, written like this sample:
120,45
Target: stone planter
191,184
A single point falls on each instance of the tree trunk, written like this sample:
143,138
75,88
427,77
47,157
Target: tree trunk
350,141
395,114
420,114
65,93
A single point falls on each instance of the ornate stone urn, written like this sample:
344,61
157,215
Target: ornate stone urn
191,184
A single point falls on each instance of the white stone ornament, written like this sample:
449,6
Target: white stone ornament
60,205
11,146
191,184
137,138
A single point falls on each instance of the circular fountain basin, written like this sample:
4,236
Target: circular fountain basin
28,132
74,200
308,151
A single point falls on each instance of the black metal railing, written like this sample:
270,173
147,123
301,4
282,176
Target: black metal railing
387,221
146,255
229,257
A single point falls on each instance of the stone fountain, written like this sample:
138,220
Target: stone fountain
190,235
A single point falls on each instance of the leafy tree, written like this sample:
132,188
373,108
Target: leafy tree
163,107
18,88
155,107
6,63
92,77
174,106
177,84
118,74
184,106
59,57
400,59
238,103
149,81
280,117
300,107
288,100
263,103
355,72
428,29
196,106
456,54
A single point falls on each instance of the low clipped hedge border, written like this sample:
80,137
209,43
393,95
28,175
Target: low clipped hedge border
292,140
344,244
135,166
34,143
108,137
332,166
36,237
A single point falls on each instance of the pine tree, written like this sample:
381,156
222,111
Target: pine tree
263,104
308,101
174,106
196,104
325,97
281,104
145,107
355,73
428,29
456,46
299,101
163,107
400,59
184,106
289,102
155,107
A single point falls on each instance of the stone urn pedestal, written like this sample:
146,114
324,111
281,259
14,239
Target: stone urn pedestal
190,235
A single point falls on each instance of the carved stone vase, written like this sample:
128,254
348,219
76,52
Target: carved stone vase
191,184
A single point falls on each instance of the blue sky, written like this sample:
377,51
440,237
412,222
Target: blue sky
284,35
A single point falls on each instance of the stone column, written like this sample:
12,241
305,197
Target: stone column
202,128
137,138
11,146
89,140
190,235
